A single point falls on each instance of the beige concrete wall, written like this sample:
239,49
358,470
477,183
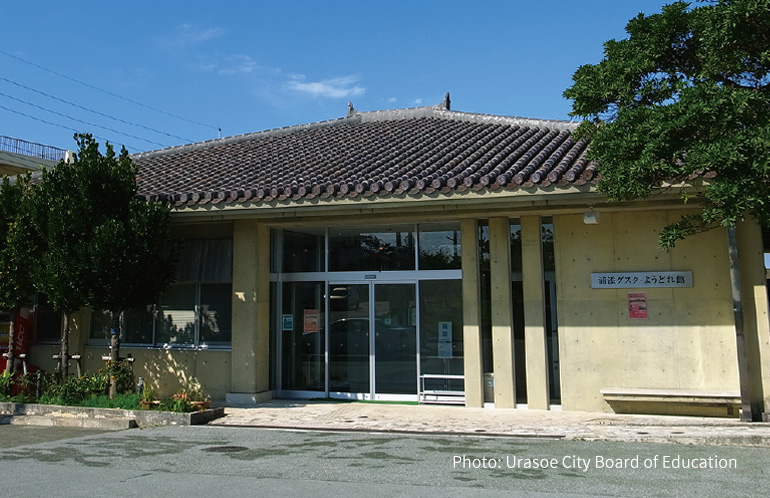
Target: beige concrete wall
250,367
688,339
170,370
166,370
536,349
502,317
472,360
755,309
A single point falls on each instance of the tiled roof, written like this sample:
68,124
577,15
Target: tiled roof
408,151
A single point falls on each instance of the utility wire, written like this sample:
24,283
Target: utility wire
80,120
108,92
93,111
55,124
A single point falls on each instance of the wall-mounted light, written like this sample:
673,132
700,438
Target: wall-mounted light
591,217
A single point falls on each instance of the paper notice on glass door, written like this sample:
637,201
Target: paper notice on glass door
311,321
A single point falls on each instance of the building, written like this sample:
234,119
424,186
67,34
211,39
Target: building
20,156
433,255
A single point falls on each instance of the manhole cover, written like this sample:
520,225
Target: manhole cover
225,449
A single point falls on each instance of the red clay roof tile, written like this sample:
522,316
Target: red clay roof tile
429,149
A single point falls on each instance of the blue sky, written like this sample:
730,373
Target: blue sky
163,73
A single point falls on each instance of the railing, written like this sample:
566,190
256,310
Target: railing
19,146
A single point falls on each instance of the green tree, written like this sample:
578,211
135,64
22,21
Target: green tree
18,250
103,245
684,103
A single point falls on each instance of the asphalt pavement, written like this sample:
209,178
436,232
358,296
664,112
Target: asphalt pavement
183,461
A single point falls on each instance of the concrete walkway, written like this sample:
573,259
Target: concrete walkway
336,416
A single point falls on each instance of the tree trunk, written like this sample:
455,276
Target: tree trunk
9,366
114,350
64,354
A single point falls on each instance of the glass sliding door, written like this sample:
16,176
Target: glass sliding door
349,338
372,339
395,339
303,342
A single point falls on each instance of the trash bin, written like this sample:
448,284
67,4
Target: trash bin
489,387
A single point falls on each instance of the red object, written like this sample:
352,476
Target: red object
22,326
637,305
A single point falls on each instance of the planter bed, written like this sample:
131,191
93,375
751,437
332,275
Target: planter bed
141,418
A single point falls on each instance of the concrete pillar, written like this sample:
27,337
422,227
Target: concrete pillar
755,312
502,316
250,362
472,354
538,396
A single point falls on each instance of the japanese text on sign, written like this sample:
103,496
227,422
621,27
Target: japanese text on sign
641,279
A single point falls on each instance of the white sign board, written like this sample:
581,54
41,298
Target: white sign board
444,339
631,280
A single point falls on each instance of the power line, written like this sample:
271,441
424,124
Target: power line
108,92
80,120
94,111
56,124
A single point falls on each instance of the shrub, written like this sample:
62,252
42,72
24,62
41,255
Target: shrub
123,373
74,390
123,401
6,385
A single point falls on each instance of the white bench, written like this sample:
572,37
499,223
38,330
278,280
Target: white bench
673,401
75,357
22,357
441,395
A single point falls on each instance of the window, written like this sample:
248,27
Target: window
47,322
196,310
303,250
439,246
383,249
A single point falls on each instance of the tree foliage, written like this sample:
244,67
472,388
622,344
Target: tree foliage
18,249
684,102
18,245
104,246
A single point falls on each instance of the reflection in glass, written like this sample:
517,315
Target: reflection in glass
517,305
551,324
356,249
349,338
303,250
176,315
441,330
439,246
216,306
303,340
395,339
137,325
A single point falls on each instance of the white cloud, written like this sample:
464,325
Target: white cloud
335,88
417,101
236,64
239,64
186,35
391,100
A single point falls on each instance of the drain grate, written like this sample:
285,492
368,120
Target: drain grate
225,449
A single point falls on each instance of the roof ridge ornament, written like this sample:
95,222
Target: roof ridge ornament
351,110
447,103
